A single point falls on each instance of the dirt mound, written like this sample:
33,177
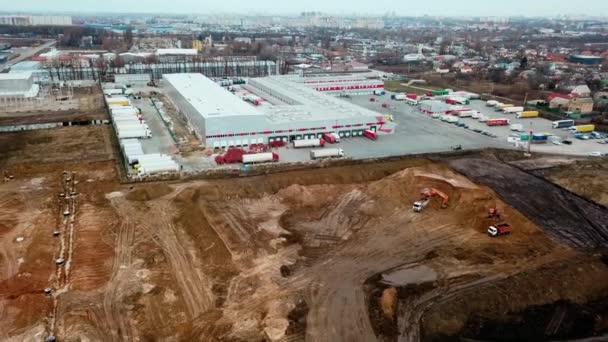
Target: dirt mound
149,192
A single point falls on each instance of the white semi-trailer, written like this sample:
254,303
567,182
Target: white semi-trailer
137,132
260,158
308,143
327,153
511,110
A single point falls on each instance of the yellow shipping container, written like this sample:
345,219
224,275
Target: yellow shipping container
584,128
119,103
528,114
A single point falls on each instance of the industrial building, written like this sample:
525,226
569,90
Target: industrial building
292,111
35,20
355,84
18,85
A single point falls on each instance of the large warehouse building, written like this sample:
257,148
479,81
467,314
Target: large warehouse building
292,111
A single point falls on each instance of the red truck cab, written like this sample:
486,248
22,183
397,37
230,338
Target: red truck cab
499,229
328,137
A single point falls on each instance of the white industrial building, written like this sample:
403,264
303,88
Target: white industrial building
18,85
353,84
35,20
292,111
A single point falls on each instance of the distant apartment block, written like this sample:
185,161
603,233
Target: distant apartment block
33,20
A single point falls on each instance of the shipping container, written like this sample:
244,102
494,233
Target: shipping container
327,153
400,97
511,110
539,138
497,122
260,158
562,123
308,143
502,107
583,128
528,114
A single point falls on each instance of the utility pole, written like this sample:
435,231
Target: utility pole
525,99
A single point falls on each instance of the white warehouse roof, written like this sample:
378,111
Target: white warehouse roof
209,98
304,103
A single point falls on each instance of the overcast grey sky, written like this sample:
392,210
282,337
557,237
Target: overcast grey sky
401,7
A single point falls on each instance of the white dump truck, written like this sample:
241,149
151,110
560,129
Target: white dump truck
327,153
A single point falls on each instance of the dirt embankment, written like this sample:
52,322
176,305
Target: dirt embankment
581,280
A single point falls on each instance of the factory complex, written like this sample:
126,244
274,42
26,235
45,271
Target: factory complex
268,109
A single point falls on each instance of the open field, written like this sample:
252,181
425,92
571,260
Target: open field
331,254
64,145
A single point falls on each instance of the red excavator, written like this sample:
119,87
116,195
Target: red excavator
427,194
494,213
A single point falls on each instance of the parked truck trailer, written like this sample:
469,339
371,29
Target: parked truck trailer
511,110
497,122
308,143
528,114
260,158
327,153
582,128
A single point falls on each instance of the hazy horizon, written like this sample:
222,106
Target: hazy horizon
592,8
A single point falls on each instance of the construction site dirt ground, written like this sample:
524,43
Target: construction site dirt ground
331,254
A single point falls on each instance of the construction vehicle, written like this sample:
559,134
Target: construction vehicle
499,229
427,194
494,213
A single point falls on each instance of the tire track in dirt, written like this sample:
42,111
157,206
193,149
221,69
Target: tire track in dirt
195,287
114,311
157,224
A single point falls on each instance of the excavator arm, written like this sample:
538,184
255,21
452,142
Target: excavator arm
430,192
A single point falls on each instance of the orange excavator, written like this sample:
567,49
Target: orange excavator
427,194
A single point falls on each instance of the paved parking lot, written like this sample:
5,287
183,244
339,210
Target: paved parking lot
537,125
415,133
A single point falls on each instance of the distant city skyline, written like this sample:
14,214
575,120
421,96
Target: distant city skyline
445,8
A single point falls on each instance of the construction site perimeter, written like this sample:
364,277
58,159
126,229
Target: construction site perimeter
325,254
